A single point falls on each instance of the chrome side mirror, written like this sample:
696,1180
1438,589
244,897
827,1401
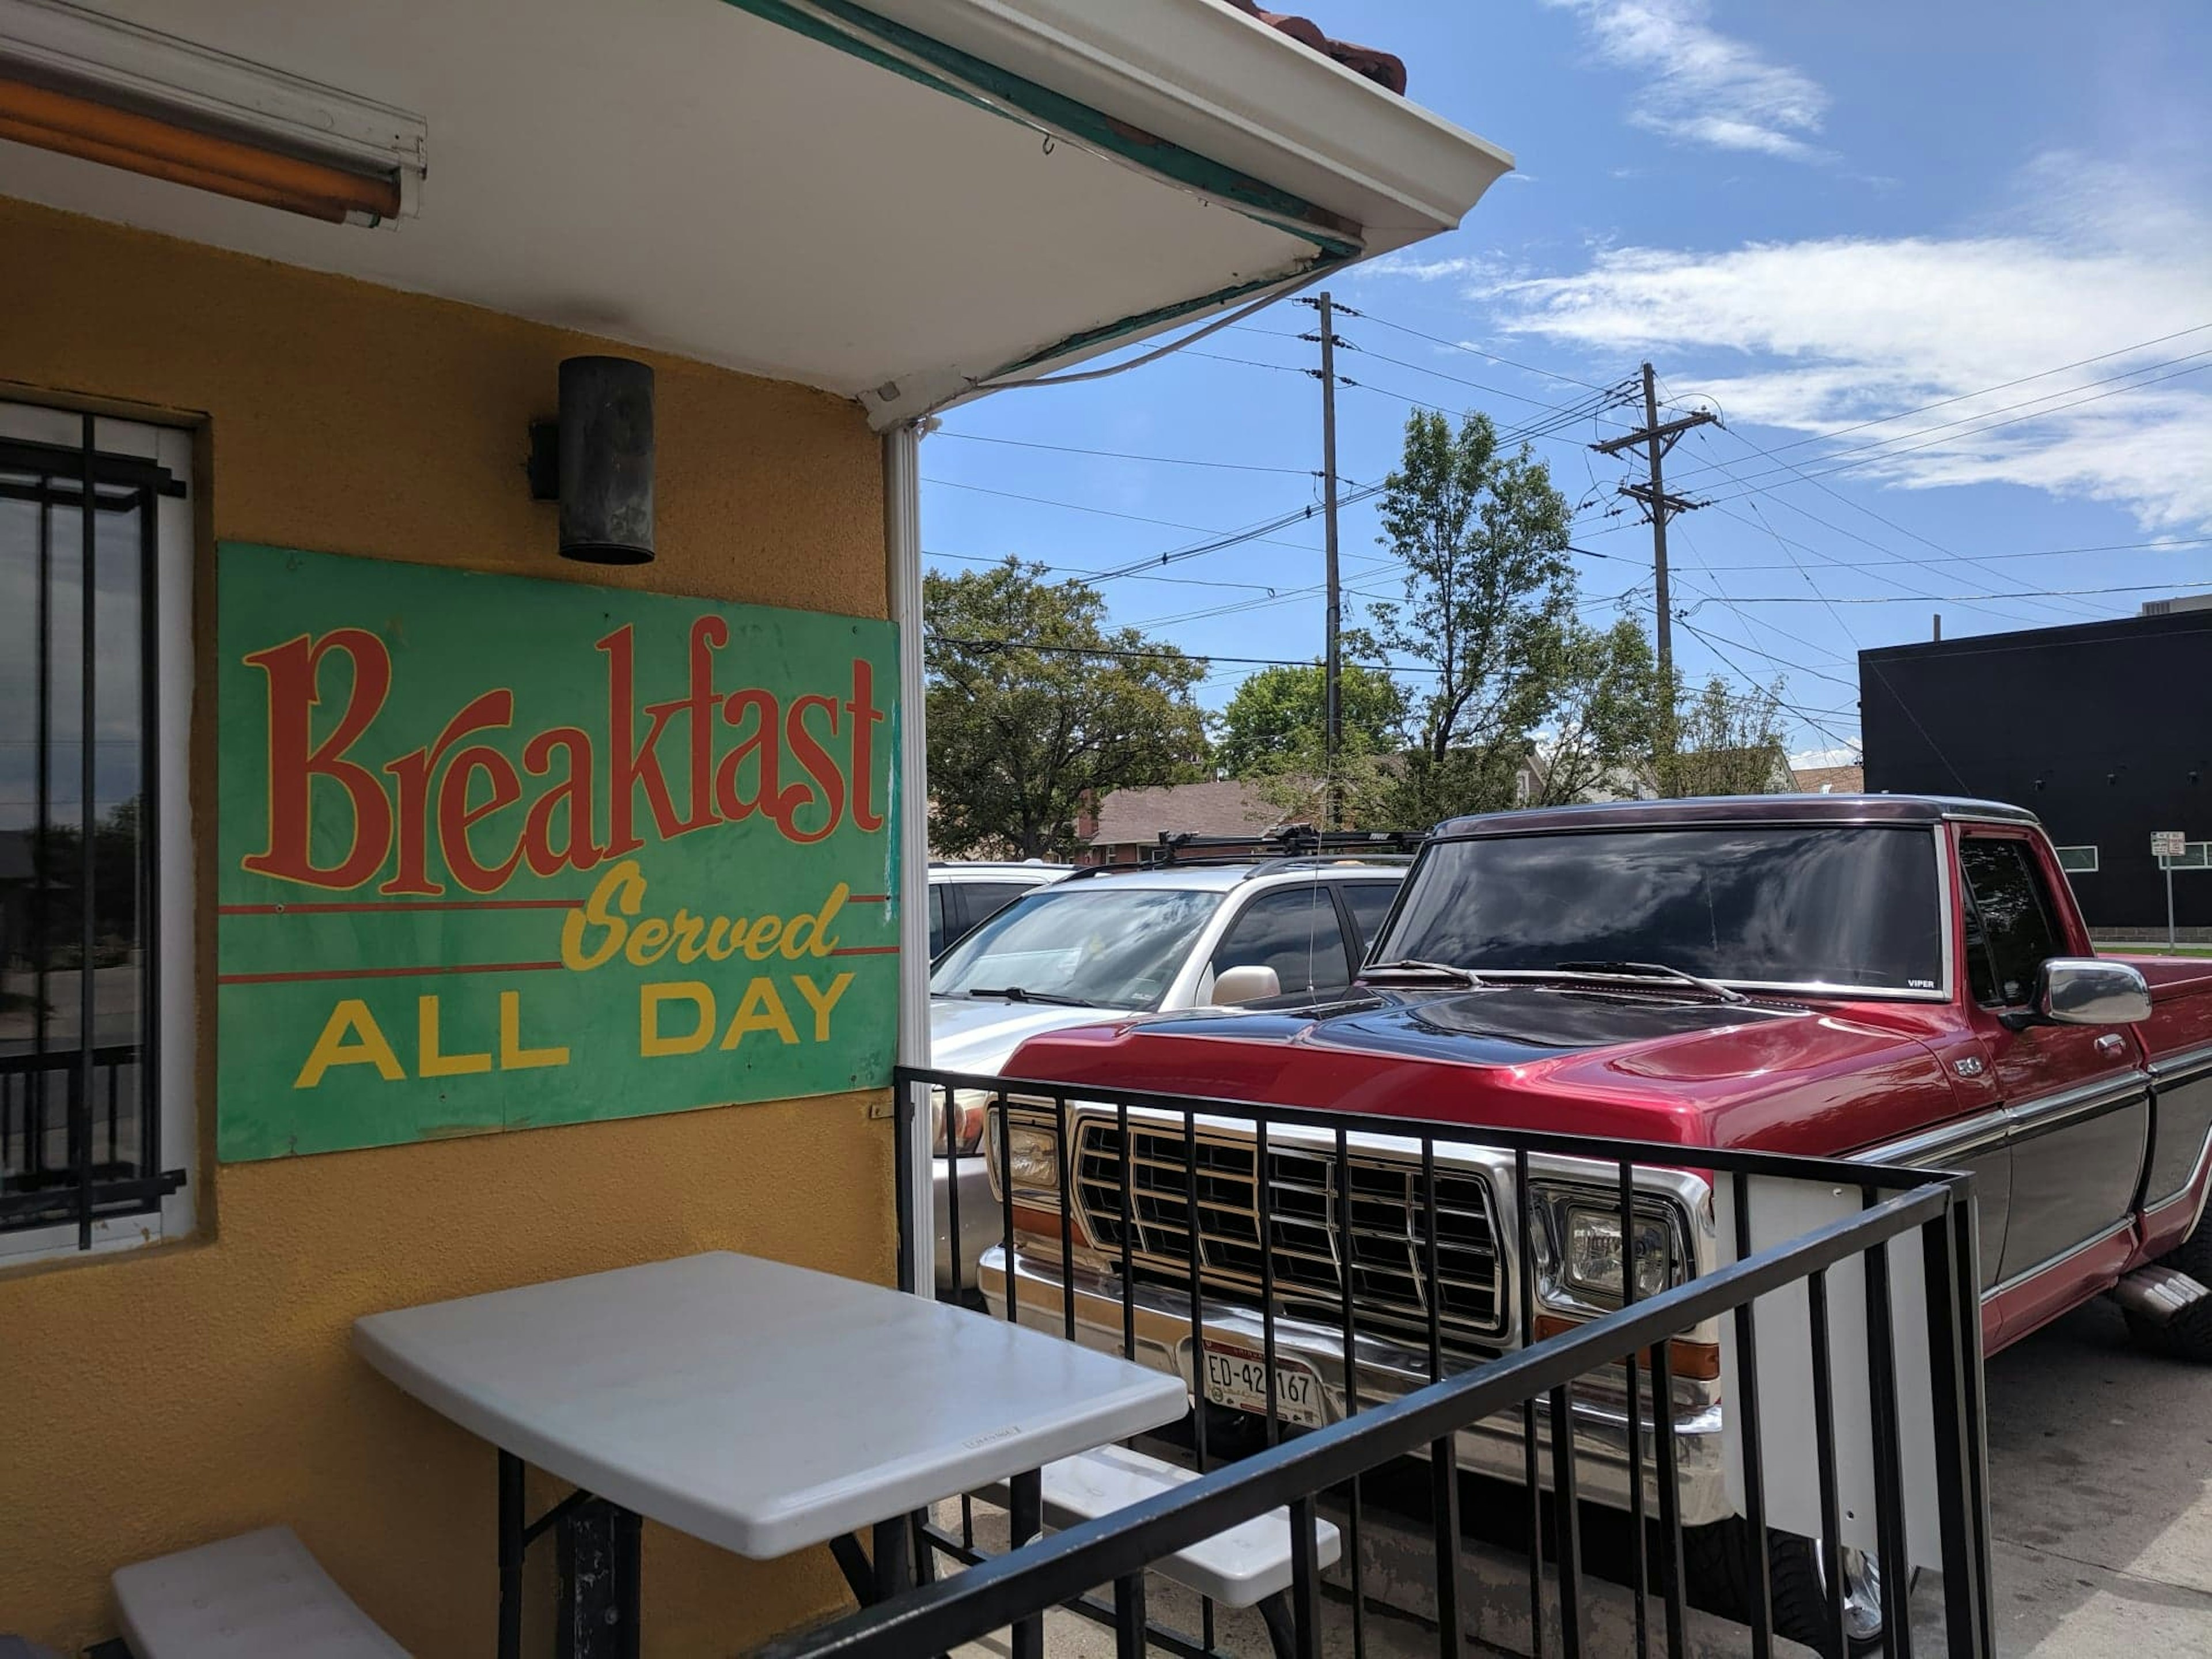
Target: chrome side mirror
2089,991
1252,983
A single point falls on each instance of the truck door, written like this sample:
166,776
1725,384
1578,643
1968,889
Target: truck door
2076,1101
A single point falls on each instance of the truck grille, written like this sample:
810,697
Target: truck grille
1385,1258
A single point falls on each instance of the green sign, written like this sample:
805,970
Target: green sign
498,854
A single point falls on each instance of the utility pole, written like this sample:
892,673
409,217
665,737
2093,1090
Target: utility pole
1333,654
1657,439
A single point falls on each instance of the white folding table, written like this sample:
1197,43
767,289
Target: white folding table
759,1406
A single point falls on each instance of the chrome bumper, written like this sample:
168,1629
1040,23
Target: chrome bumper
1495,1447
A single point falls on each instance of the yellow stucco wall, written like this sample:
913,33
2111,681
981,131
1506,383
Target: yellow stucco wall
167,1397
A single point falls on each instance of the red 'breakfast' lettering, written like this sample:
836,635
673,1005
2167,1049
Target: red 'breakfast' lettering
807,767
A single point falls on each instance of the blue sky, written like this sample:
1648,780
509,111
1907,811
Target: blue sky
1808,216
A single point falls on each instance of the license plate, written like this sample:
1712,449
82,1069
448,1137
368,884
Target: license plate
1238,1378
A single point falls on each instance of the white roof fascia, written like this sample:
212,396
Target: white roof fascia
1228,87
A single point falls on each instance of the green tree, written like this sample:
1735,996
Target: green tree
1488,609
1725,743
1280,714
1034,703
1607,719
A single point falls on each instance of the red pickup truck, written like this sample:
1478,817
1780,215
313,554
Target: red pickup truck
1899,979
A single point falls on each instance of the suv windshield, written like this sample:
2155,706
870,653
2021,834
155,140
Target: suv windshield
1105,946
1787,904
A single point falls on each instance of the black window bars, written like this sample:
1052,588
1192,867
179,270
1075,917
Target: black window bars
79,1109
1254,1166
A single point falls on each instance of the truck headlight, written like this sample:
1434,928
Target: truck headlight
1033,1159
1575,1233
1593,1254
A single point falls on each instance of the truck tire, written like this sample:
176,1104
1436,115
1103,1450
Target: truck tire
1722,1567
2188,1334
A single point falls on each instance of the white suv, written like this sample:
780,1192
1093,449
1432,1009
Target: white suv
964,896
1120,939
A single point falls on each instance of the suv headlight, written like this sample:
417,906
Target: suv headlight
1575,1232
970,1108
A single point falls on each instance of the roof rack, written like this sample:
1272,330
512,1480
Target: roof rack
1292,846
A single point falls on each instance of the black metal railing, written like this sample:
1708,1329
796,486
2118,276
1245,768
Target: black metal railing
1416,1269
80,949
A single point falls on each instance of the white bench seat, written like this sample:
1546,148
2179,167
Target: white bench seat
259,1594
1239,1568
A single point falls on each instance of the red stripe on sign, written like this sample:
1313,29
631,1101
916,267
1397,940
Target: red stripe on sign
866,951
869,898
395,906
385,973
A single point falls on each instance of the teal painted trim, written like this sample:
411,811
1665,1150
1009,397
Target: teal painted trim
801,22
1156,156
1168,314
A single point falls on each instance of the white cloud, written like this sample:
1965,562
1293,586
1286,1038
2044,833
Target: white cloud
1815,335
1701,86
1473,267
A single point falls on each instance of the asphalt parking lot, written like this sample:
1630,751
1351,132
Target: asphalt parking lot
2100,1492
2100,1485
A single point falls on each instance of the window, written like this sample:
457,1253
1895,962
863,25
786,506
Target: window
95,962
1775,904
2009,931
985,899
1371,902
1097,944
2078,861
1294,931
936,920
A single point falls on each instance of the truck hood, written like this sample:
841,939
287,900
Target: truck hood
978,1034
1653,1066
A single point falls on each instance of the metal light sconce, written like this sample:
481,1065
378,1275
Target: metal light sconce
597,460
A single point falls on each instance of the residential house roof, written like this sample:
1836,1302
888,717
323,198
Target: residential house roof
1830,780
1225,808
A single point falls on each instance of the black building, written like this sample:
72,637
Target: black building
2104,731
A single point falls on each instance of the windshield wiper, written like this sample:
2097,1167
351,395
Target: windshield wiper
1018,994
1653,970
1412,968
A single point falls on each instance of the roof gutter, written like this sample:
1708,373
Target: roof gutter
1198,96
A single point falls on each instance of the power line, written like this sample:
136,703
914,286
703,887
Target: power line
1124,455
1231,538
2177,543
1561,416
1945,403
1889,554
1083,506
1170,652
1708,640
1477,351
1884,520
1081,571
1889,448
1955,599
1423,369
1794,664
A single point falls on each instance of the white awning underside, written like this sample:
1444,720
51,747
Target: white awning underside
690,176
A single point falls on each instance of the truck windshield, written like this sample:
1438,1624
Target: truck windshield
1788,905
1087,942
